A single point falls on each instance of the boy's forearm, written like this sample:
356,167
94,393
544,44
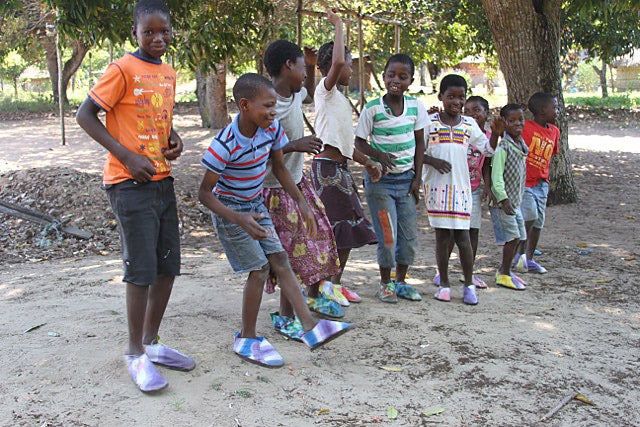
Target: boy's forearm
365,148
284,178
497,178
208,199
87,118
418,160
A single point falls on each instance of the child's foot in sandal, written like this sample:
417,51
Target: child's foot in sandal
403,290
325,307
443,294
288,326
144,374
257,350
167,356
470,297
348,293
324,332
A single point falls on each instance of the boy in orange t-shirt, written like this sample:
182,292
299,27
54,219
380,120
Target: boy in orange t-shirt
137,92
543,139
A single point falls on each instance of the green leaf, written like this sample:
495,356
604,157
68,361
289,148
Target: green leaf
392,412
435,411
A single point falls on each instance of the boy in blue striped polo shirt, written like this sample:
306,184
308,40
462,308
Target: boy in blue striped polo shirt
232,189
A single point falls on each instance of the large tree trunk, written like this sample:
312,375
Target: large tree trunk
211,91
526,34
68,70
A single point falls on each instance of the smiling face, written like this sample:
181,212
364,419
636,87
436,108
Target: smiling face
260,110
153,33
296,74
397,78
453,100
514,123
477,111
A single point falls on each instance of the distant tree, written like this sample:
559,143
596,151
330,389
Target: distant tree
11,67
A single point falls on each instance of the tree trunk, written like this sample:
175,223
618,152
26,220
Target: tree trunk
211,91
70,67
15,88
526,35
434,71
602,73
423,74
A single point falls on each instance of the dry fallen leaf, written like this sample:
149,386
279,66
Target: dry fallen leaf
392,368
392,412
323,411
434,411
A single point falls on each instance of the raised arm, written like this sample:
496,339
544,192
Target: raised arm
310,63
337,57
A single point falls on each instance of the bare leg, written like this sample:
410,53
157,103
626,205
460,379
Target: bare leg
289,286
157,300
136,308
401,272
251,299
343,256
466,254
508,253
286,309
473,236
528,226
443,237
385,274
533,236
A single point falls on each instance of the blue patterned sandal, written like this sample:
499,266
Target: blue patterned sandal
324,332
325,307
257,350
290,327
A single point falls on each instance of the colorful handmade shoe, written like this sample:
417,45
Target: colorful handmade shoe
469,295
520,263
477,281
506,282
534,267
325,307
257,350
403,290
443,294
290,327
144,374
325,331
517,279
330,292
387,293
436,279
349,294
536,252
166,356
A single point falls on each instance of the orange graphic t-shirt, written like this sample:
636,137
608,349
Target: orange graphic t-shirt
138,97
543,143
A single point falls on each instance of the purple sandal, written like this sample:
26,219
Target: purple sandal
257,350
324,332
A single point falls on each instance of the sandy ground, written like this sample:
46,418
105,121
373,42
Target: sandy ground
504,362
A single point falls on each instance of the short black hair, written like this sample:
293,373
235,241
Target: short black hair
325,57
452,80
539,100
480,100
249,85
278,53
147,7
402,59
509,108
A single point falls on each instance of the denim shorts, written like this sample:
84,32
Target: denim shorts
507,227
534,203
244,253
476,208
394,217
148,223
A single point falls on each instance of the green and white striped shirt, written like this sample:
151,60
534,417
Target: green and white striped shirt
393,134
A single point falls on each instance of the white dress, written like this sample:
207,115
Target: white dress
448,196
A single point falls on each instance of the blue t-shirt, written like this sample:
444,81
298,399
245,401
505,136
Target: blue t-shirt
240,161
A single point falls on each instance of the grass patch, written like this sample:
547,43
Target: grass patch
625,100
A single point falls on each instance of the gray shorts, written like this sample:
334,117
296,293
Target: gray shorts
476,208
507,227
148,223
244,253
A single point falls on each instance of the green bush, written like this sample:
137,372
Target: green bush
625,100
586,79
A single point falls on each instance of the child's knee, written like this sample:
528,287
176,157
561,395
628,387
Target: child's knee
279,263
261,274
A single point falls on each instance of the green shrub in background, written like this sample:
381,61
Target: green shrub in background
586,79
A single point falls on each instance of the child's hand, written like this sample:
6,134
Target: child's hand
386,160
440,165
249,224
498,126
175,147
487,195
333,18
309,144
309,219
140,167
310,56
507,207
414,190
374,170
433,109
